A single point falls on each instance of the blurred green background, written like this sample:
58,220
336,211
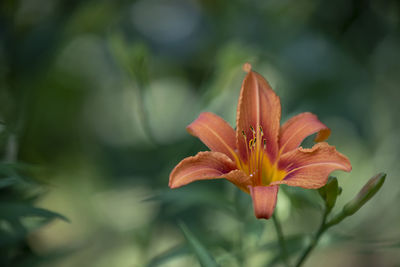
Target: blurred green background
95,97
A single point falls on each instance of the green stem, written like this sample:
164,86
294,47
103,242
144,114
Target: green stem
311,246
323,227
335,220
281,239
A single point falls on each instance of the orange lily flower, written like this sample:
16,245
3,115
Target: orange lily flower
260,155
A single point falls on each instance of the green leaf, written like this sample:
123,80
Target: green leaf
14,211
5,182
46,259
167,255
8,169
199,195
204,257
329,193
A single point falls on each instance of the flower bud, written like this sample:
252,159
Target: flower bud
365,194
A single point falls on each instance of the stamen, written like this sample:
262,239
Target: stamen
262,159
245,141
254,157
258,156
255,149
252,129
251,157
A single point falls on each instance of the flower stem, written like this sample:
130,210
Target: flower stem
323,227
281,239
311,246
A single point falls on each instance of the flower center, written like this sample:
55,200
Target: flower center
258,165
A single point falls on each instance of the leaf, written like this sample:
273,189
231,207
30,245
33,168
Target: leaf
5,182
329,193
10,174
204,257
14,211
196,195
8,169
171,253
46,259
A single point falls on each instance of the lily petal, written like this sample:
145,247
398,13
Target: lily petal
207,165
240,179
299,127
310,168
264,200
258,106
215,133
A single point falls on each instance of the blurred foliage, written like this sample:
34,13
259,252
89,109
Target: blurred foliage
19,217
205,259
98,94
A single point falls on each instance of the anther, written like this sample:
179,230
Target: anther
261,131
265,143
252,129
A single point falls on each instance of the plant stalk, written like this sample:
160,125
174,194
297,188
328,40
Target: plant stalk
281,239
323,227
